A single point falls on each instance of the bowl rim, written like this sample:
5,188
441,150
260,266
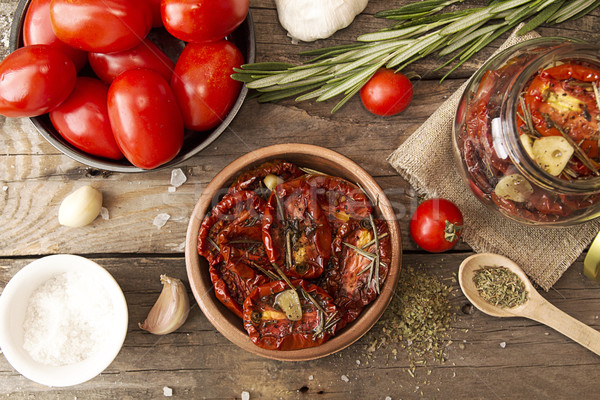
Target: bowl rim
39,122
28,279
200,289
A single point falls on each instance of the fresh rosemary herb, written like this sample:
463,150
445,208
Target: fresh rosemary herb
420,29
500,286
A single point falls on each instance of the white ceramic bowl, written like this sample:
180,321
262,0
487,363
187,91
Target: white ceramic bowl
13,304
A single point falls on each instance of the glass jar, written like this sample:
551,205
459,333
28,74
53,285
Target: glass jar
526,132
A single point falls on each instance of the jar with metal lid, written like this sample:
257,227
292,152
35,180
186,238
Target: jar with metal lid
527,131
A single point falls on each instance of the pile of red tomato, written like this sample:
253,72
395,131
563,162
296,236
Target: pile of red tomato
136,103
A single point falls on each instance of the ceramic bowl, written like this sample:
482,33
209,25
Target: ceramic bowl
13,305
317,158
194,142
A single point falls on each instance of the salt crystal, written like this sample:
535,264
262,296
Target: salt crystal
104,213
5,188
167,391
503,344
388,398
245,395
345,378
67,319
160,220
172,189
311,377
357,362
178,178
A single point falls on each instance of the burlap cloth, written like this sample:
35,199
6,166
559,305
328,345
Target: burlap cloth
427,162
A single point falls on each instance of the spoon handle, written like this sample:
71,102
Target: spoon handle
562,322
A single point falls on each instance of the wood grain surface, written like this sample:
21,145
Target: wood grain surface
196,361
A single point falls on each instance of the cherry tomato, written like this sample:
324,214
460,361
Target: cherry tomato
102,26
202,20
436,225
145,119
83,121
37,29
34,80
202,83
386,93
145,55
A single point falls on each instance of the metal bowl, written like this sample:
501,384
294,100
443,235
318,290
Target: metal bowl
243,37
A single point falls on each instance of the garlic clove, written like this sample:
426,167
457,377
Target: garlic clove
170,310
309,20
80,207
272,180
289,302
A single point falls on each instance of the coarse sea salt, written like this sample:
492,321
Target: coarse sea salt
68,318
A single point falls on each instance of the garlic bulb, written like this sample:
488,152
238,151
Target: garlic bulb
309,20
80,207
170,310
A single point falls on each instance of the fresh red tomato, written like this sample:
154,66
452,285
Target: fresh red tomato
202,20
386,93
102,26
156,17
83,119
37,29
202,83
436,225
145,119
34,80
145,55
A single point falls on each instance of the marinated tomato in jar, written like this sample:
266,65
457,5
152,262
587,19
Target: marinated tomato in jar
556,127
296,254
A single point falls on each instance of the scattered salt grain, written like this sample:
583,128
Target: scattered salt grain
245,395
345,378
68,318
503,344
178,178
357,362
311,377
160,220
172,189
5,188
388,398
167,391
104,213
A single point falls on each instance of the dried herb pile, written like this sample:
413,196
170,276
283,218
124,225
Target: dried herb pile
500,286
419,317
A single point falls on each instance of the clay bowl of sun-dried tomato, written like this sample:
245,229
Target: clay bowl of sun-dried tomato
293,252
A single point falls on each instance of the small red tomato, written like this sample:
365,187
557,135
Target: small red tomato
145,119
37,29
436,225
202,20
102,26
203,85
386,93
145,55
83,119
34,80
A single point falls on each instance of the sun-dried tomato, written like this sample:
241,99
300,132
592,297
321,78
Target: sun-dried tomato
269,327
252,179
355,278
296,232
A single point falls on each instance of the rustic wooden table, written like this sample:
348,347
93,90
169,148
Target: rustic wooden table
197,361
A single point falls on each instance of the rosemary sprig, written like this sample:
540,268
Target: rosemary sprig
420,29
270,274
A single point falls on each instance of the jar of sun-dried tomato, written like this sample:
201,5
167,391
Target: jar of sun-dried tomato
527,132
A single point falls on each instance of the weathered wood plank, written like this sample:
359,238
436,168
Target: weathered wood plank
198,362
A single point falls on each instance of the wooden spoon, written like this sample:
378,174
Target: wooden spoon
536,307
